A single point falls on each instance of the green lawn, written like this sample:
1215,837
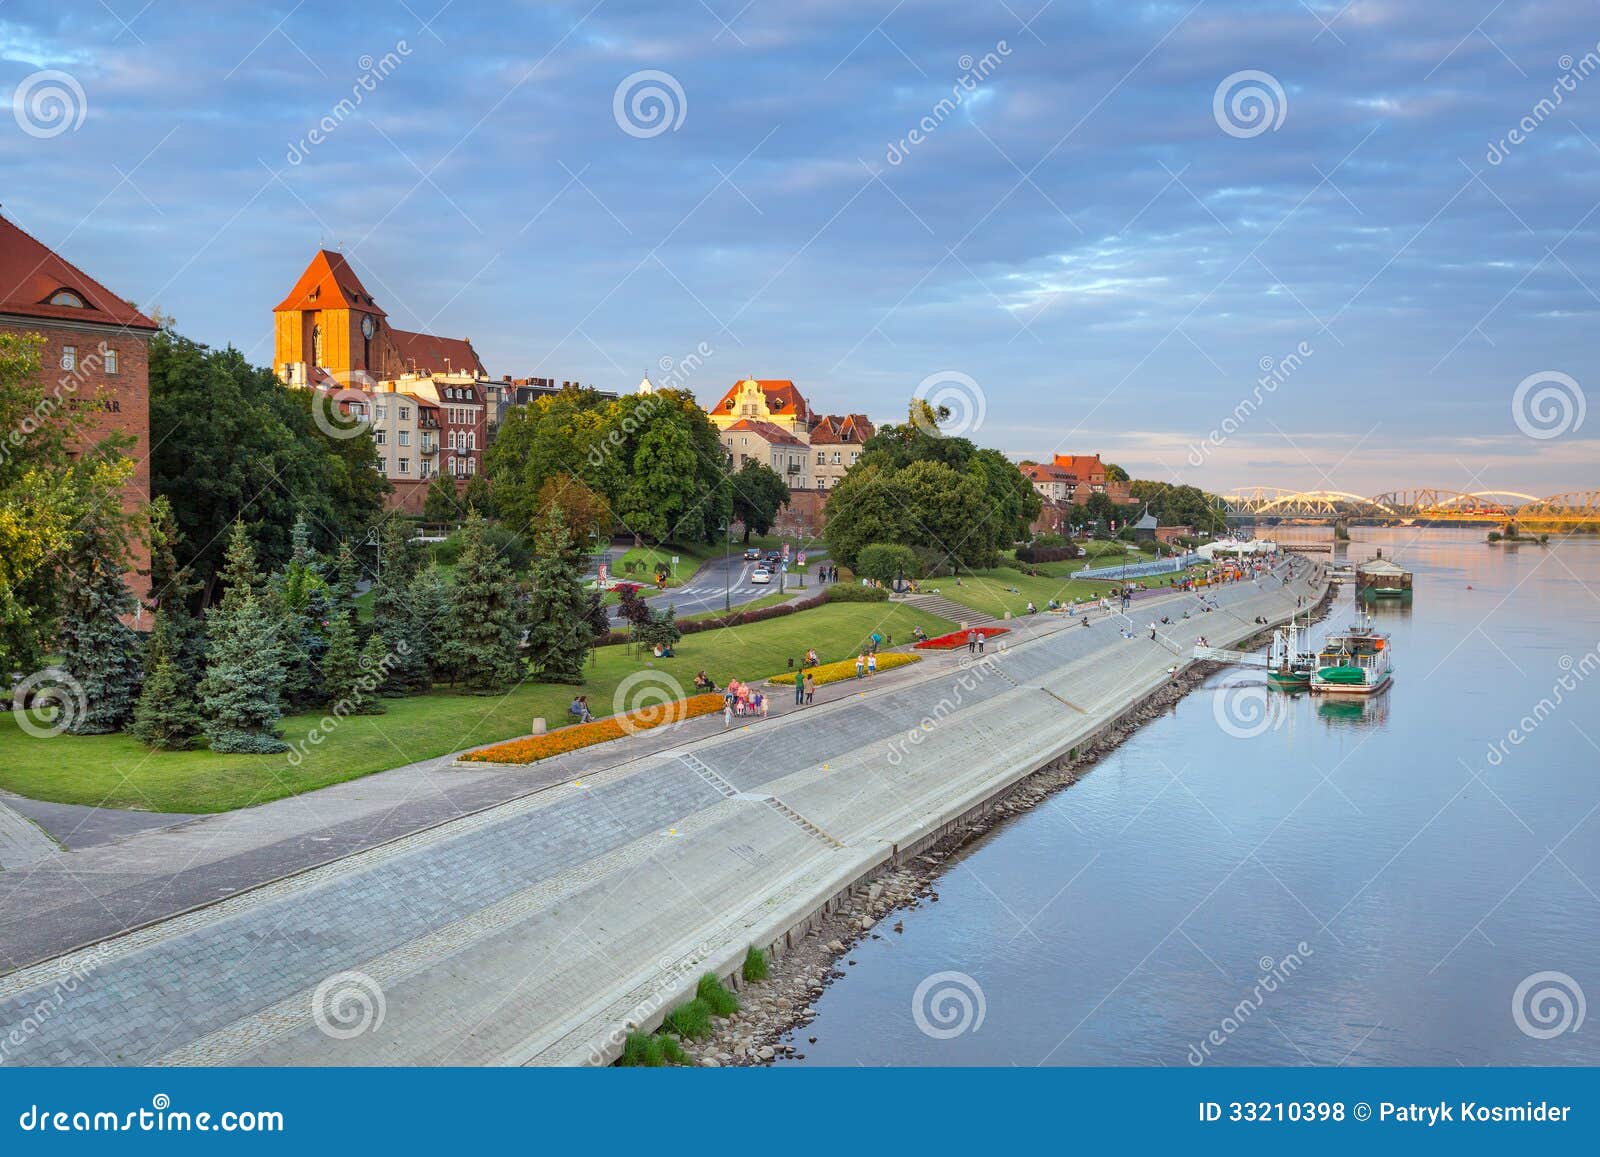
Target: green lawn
116,771
771,600
989,591
644,558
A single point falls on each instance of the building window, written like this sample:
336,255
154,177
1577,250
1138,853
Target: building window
405,437
111,361
472,465
836,457
405,466
69,357
382,409
68,298
405,413
451,438
821,458
381,437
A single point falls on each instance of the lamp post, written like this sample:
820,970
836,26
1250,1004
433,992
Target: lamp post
727,568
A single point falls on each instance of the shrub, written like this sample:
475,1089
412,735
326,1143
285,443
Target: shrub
855,593
884,561
716,995
690,1021
651,1050
1037,553
846,669
755,965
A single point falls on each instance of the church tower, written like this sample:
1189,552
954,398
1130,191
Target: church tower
330,323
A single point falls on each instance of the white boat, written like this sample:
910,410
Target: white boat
1355,661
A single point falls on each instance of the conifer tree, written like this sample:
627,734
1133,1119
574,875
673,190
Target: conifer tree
375,659
297,588
166,717
241,693
428,603
175,629
559,634
481,648
98,651
341,666
342,588
398,563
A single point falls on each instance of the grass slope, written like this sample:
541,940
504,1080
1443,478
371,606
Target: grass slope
117,771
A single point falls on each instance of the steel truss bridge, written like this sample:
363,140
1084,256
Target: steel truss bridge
1409,507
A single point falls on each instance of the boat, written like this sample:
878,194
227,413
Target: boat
1380,578
1354,661
1344,573
1290,660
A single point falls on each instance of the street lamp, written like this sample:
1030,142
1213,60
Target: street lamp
727,568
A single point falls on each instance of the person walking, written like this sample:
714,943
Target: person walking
982,639
872,664
972,641
861,664
810,688
1152,630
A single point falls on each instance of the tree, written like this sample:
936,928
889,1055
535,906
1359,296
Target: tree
428,622
759,492
166,717
44,491
392,615
301,594
1181,505
228,439
175,630
479,495
583,510
1115,473
886,562
481,649
240,695
98,651
443,503
866,507
1101,509
559,634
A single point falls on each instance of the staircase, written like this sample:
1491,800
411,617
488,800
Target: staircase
944,608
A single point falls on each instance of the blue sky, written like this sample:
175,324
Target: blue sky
1107,246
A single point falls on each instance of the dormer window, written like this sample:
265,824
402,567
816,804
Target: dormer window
67,298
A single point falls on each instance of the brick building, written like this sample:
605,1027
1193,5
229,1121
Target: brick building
332,335
95,358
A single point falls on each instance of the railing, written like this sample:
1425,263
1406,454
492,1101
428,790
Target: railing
1139,569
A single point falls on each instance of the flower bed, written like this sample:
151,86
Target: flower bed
833,672
957,639
565,739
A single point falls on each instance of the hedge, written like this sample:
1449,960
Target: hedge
1047,553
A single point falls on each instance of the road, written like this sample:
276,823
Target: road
718,580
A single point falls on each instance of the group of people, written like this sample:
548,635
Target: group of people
740,700
975,642
827,573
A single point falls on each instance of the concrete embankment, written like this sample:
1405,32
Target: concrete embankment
541,930
983,730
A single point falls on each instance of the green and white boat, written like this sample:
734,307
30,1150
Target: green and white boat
1355,661
1290,661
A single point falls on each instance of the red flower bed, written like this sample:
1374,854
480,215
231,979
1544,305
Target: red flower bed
958,638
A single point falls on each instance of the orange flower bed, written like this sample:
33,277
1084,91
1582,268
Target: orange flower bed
565,739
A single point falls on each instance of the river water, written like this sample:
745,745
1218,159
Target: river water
1323,883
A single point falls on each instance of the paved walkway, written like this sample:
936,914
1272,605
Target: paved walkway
22,843
531,930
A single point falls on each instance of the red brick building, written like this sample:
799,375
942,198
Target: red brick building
95,358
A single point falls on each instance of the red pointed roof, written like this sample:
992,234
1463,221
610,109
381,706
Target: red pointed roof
427,353
31,273
329,283
842,428
782,397
1085,466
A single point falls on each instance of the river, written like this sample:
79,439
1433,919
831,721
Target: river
1410,881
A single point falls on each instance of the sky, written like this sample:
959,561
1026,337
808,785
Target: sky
1318,245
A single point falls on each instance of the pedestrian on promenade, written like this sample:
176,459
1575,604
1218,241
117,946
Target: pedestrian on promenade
799,690
861,664
1152,630
982,638
727,711
972,641
872,664
811,688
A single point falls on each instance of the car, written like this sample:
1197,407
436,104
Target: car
752,554
761,577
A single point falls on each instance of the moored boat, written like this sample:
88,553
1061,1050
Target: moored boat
1380,578
1355,661
1290,661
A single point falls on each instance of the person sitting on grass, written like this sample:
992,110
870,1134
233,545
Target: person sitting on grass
704,683
579,709
811,657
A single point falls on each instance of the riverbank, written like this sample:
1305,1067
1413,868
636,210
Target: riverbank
591,907
785,1001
